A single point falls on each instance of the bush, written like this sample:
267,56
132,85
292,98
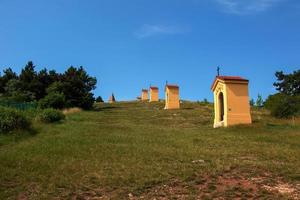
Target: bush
53,100
283,106
12,119
99,99
87,102
51,115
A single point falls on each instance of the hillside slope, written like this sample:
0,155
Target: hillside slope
135,150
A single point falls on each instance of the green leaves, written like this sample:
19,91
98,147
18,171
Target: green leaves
74,84
288,84
51,115
12,119
283,106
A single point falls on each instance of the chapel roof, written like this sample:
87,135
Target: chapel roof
172,86
228,78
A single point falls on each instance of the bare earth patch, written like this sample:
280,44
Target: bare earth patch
225,186
286,189
230,185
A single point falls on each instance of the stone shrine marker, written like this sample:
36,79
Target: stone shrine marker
112,98
153,94
231,101
172,97
144,95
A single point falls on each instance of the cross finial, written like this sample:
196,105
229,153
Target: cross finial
218,71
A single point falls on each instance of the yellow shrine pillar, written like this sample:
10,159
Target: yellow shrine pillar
153,94
144,96
231,101
172,97
112,99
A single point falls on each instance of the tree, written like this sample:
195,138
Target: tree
77,87
286,103
259,101
8,75
252,103
288,84
99,99
13,89
283,106
28,78
28,73
57,86
42,83
53,100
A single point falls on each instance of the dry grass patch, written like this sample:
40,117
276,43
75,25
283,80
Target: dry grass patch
68,111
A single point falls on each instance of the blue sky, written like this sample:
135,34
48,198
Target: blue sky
129,45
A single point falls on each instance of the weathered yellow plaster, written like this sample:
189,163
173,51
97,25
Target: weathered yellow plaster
153,94
231,101
172,97
112,99
144,96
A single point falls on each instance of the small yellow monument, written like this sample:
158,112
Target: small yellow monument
231,101
172,97
153,94
144,95
112,98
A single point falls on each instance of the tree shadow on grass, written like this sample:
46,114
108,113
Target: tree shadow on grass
188,108
107,108
17,136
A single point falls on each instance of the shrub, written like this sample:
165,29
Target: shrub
283,106
53,100
12,119
99,99
51,115
87,102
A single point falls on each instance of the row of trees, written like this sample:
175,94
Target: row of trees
73,88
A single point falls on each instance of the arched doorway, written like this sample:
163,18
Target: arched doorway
221,106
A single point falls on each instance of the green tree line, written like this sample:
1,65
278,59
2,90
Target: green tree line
286,102
73,88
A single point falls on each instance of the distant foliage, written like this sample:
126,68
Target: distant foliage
205,101
259,101
99,99
75,84
53,100
8,74
288,84
283,106
50,115
252,103
12,119
286,103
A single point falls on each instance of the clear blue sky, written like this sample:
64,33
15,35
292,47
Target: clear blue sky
129,45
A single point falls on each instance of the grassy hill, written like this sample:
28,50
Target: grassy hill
135,150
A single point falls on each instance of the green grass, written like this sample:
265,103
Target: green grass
135,147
